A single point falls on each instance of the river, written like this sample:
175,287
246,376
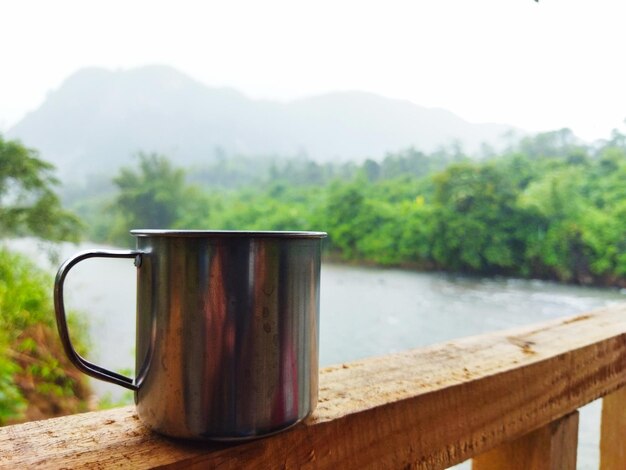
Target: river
364,312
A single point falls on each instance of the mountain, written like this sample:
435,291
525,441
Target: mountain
98,119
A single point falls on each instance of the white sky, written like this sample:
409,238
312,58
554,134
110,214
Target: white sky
539,66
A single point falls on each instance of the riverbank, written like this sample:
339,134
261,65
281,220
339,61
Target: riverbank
610,282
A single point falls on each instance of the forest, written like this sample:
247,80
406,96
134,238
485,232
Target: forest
547,207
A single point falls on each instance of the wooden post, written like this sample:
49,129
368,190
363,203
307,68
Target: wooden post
551,447
613,431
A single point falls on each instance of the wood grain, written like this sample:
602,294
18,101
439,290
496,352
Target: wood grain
613,431
551,447
427,408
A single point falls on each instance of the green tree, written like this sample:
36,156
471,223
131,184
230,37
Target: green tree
153,195
28,203
343,216
559,143
479,225
584,238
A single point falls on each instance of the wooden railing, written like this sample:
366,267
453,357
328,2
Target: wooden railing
508,400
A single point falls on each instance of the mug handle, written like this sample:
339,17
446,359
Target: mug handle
82,364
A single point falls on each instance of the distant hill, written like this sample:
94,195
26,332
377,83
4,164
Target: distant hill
99,118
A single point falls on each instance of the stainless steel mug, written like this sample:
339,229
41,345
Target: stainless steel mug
227,330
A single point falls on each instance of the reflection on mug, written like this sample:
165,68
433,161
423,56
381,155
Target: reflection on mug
227,330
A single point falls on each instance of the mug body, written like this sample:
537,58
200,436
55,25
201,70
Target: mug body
227,331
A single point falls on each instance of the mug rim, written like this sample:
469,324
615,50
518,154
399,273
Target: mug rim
226,233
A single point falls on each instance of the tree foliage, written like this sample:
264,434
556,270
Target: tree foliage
153,195
28,203
549,207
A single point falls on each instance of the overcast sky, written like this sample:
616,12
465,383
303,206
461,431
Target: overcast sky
538,66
